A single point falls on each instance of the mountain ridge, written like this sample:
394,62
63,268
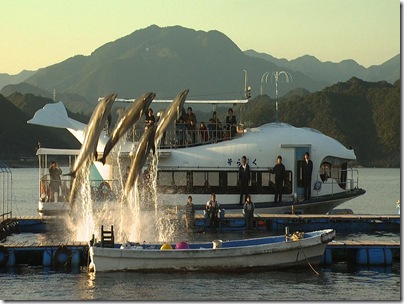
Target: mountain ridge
333,72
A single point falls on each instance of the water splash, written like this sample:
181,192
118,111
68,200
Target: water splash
138,218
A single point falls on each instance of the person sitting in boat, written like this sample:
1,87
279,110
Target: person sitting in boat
190,120
55,180
203,131
231,122
226,134
180,130
248,210
216,126
190,214
212,209
150,120
279,171
211,129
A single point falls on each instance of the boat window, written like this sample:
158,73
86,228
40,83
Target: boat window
325,171
299,172
213,178
232,179
199,178
220,182
287,184
180,178
165,178
266,178
344,174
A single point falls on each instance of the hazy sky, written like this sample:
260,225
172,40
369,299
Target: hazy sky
39,33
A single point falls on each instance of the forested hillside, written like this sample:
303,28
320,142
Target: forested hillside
364,115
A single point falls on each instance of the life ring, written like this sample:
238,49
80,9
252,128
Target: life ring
62,257
3,255
104,189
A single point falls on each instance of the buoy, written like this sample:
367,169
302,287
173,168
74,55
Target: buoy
3,255
326,259
166,246
374,256
11,258
75,261
182,245
47,257
62,257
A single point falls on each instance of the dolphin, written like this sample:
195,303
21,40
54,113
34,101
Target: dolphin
132,114
93,130
172,112
146,143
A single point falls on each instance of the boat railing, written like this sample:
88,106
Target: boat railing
337,179
6,180
179,135
100,189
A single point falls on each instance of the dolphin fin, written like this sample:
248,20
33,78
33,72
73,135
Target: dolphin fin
55,115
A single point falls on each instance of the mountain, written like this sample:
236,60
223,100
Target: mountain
334,72
71,101
165,61
6,79
364,115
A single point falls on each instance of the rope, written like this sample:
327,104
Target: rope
297,237
311,266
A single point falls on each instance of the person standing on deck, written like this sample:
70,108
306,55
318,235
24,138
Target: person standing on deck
55,180
307,171
190,120
243,178
212,209
279,171
190,214
248,211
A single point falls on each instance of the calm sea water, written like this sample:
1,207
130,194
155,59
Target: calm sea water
338,282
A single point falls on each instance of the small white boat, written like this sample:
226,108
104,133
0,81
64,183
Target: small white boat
262,253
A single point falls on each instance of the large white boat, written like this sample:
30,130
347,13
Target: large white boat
202,167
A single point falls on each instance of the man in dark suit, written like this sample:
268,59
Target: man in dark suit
279,171
244,179
307,171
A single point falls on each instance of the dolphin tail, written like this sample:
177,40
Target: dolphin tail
72,196
102,159
72,174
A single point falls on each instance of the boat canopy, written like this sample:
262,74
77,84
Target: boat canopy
50,151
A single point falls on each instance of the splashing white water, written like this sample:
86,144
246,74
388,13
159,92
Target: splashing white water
138,218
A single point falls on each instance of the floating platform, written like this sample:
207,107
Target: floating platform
342,223
49,254
72,256
67,256
375,253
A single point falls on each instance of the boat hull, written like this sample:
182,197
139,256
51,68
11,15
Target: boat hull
234,255
53,208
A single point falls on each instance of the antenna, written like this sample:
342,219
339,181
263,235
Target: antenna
276,76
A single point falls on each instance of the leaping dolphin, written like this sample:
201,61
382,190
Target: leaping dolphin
132,114
146,143
172,112
92,132
88,149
